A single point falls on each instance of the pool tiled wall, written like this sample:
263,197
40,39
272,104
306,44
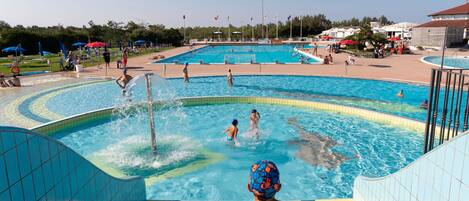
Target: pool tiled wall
36,167
440,175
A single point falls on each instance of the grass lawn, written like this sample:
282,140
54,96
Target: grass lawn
35,63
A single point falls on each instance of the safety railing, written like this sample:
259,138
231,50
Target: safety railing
447,108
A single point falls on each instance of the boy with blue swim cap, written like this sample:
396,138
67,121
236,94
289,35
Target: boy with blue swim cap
264,181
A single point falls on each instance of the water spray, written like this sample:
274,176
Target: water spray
150,111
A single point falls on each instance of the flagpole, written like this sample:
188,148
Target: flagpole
252,29
184,19
291,29
276,19
301,27
242,31
267,30
263,19
229,29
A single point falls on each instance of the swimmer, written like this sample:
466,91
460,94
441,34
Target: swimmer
232,131
424,104
186,73
123,80
264,181
229,78
400,94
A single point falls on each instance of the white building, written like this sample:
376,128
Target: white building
340,33
401,30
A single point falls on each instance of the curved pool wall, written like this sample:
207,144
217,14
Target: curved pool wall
240,54
368,94
434,176
37,167
450,62
103,115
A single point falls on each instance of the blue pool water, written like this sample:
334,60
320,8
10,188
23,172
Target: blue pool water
455,62
239,54
319,154
370,94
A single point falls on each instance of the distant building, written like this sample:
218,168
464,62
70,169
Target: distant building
341,33
401,30
432,34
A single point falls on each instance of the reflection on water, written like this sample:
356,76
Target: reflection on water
316,149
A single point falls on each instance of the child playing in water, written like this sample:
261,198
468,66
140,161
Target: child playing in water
232,131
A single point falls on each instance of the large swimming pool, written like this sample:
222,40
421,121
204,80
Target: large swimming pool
241,54
453,62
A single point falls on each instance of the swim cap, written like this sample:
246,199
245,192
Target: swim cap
264,177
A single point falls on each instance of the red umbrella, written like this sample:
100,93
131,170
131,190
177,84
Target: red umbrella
327,37
96,44
394,39
348,42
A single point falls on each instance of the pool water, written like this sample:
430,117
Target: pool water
369,94
455,62
319,154
240,54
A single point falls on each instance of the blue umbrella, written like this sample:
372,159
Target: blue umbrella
13,49
140,41
78,44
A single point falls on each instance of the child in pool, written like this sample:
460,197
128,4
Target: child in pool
232,131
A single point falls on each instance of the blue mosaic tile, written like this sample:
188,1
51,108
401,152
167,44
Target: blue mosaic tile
5,195
48,181
28,188
23,159
3,175
39,183
16,192
34,153
8,141
44,149
12,166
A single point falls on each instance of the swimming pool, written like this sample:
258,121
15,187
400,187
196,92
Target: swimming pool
453,62
240,54
318,153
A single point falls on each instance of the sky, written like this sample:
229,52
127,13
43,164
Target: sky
202,12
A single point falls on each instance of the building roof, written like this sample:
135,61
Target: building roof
446,23
462,9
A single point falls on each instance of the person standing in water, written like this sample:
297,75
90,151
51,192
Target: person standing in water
400,94
229,78
186,72
123,80
232,131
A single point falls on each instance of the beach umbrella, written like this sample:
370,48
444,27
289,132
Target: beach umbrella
13,49
96,44
348,42
327,37
78,44
394,39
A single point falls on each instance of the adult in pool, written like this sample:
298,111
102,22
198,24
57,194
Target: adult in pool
254,123
400,94
264,181
232,131
229,78
123,80
185,72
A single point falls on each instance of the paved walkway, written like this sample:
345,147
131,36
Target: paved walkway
404,68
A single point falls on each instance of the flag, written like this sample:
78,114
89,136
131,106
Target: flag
216,17
183,17
63,49
41,52
289,17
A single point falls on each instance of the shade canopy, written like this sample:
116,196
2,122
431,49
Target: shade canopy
96,44
394,39
78,44
140,41
348,42
13,49
327,37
